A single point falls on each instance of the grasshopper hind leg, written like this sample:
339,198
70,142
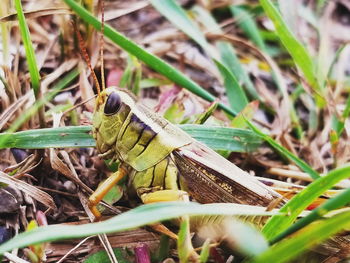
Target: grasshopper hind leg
161,184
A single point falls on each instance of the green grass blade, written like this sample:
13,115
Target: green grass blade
151,82
346,111
31,60
62,137
223,138
152,61
336,202
298,52
218,138
234,92
231,61
300,163
140,216
184,245
302,200
335,60
248,25
312,235
338,124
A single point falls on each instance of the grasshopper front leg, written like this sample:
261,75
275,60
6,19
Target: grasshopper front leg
103,189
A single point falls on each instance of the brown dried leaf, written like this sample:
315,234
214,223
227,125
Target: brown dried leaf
11,110
86,89
58,165
32,191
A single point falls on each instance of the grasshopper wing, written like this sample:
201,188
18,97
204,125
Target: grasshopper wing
209,177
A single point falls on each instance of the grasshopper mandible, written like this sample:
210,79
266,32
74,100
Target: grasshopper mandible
162,161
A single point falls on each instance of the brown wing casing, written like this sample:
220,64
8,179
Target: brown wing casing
211,178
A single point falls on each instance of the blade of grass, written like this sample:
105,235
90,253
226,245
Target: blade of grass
231,61
312,235
218,138
184,245
335,60
339,123
303,199
126,78
71,136
275,70
152,61
336,202
142,215
240,121
300,163
297,51
293,113
234,92
223,138
151,82
31,60
345,115
205,252
248,25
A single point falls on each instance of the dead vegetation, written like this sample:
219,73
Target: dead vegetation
58,181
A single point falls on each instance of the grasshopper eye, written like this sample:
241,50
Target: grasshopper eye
113,104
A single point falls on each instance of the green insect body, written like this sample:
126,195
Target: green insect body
163,157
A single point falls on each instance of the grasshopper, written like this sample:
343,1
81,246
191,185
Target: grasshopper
162,161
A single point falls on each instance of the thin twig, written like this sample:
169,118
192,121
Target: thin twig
73,249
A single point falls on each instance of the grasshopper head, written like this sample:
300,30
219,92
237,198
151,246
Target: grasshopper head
111,109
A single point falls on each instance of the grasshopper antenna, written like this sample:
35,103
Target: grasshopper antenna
102,44
87,60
